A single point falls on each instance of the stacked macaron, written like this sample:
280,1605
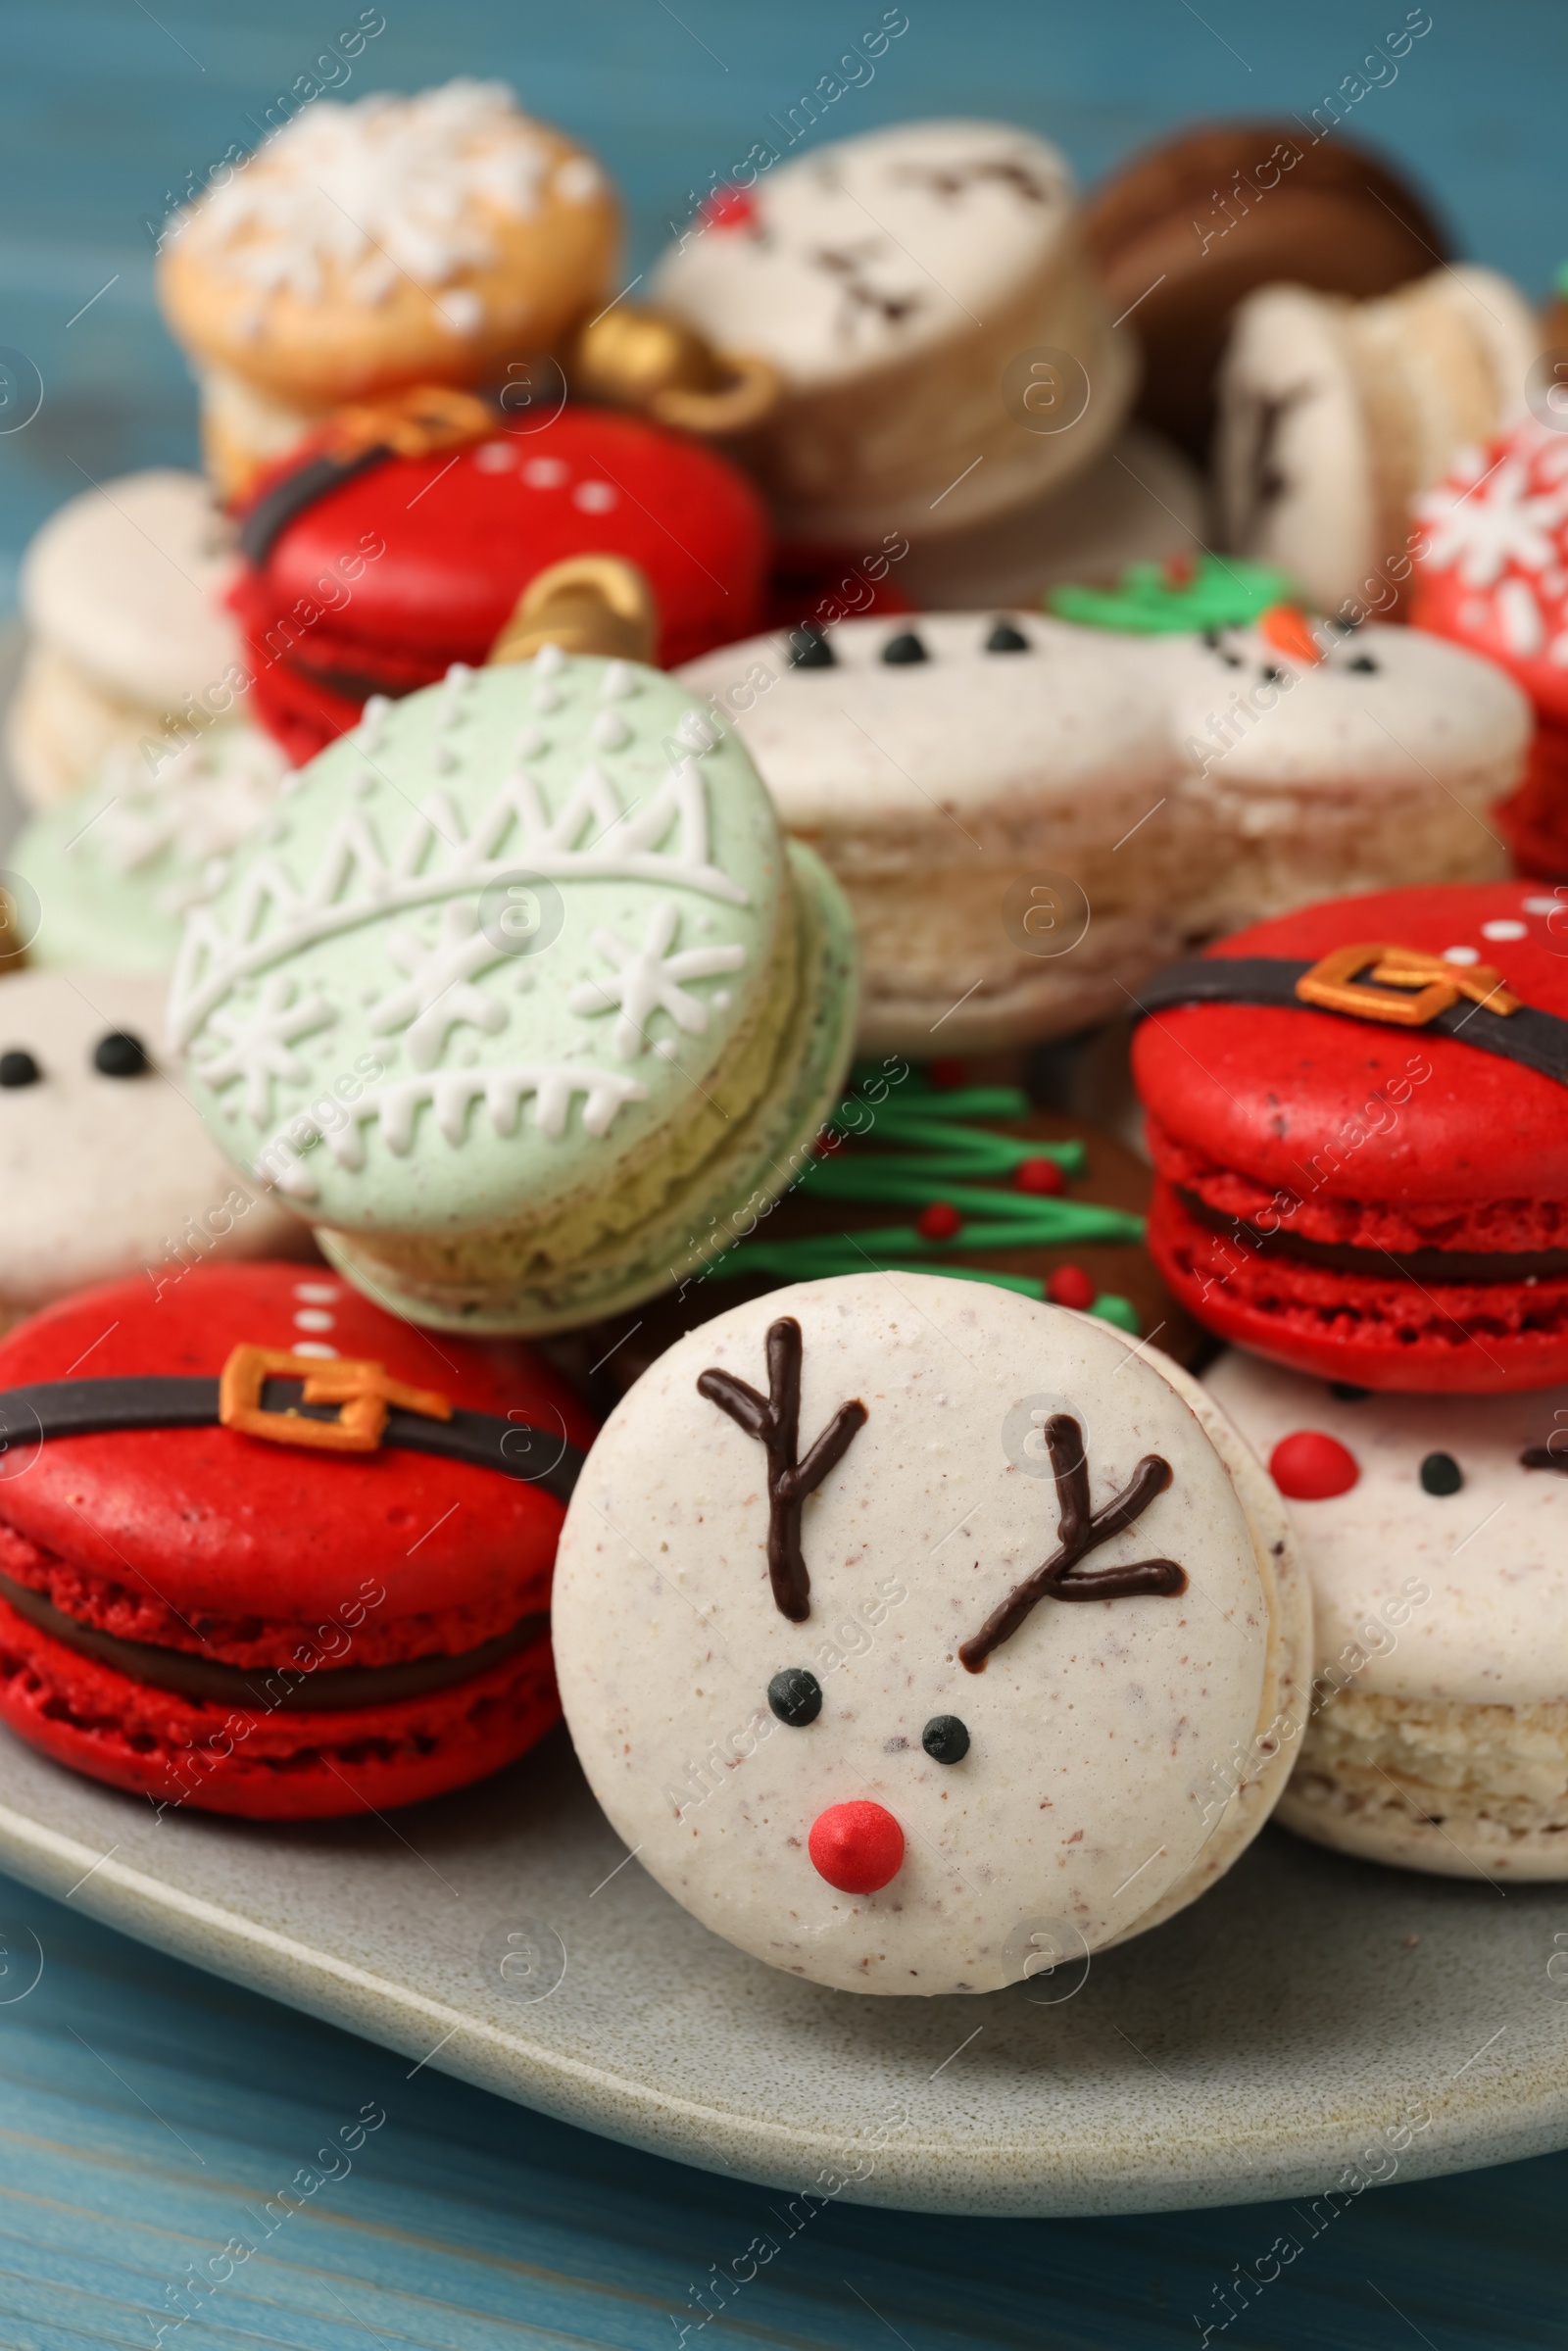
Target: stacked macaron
1358,1115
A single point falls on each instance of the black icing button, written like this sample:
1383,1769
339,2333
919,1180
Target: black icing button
905,648
795,1696
19,1068
810,650
1440,1474
945,1739
1005,638
1273,677
1343,1392
119,1055
1364,663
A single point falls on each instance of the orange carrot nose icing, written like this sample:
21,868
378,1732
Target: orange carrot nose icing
1286,628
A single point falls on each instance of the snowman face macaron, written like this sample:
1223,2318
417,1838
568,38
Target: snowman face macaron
814,1642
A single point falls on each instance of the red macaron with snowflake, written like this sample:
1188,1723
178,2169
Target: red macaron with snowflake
370,572
267,1550
1492,572
1358,1117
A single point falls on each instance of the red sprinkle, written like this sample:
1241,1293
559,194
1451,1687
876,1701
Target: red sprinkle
1070,1286
940,1222
1180,570
826,1145
945,1074
1310,1465
729,208
1037,1175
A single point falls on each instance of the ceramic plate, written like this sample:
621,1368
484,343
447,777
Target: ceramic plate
1313,2023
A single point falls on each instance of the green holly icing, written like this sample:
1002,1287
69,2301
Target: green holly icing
1175,598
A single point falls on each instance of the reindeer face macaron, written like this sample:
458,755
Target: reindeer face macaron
903,1627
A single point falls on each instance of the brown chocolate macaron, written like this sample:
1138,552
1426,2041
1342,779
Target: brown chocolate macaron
1188,228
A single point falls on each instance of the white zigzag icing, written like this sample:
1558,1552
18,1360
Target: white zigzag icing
452,1094
356,882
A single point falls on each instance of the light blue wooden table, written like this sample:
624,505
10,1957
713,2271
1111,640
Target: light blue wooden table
149,2114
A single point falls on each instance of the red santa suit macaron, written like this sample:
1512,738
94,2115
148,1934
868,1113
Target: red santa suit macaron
1359,1116
267,1550
1492,572
370,572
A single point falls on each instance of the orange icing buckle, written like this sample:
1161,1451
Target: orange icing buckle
412,424
1331,984
362,1390
1288,629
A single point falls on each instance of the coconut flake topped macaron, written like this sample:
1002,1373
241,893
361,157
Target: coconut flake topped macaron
520,993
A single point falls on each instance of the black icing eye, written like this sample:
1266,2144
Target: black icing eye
1272,677
119,1055
810,650
1440,1474
905,648
17,1068
1344,1392
945,1739
1005,638
795,1697
1364,663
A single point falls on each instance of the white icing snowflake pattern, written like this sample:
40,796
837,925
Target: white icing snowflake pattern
199,806
1481,522
386,188
439,994
649,979
260,1041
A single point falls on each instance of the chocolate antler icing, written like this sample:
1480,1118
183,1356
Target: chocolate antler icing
1082,1531
774,1420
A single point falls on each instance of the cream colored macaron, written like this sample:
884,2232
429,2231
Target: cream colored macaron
129,640
104,1167
810,1633
370,247
905,283
1437,1736
1333,415
993,793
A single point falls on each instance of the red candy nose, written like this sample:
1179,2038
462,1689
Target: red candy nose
856,1847
1313,1466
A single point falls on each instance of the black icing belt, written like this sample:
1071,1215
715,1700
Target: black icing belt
539,1458
281,1688
1534,1039
265,524
1424,1265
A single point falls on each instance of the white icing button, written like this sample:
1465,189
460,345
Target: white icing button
721,999
314,1318
458,674
532,742
1502,930
548,661
1543,905
317,1293
667,1049
495,457
595,497
1461,954
619,683
546,472
547,698
313,1347
609,731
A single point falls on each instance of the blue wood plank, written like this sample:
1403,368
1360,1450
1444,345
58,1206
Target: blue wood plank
151,2116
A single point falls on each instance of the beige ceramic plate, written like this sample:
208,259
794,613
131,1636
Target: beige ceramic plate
1310,2015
